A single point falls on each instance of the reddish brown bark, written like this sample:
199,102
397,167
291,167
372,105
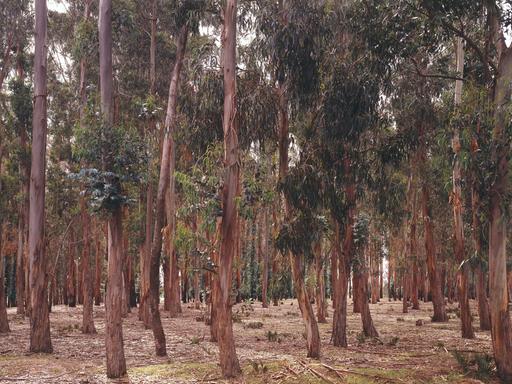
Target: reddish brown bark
98,264
229,225
339,321
308,316
40,340
4,322
501,325
321,307
163,185
87,319
265,259
458,225
435,284
116,363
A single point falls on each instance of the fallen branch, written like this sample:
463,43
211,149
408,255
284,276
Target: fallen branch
316,373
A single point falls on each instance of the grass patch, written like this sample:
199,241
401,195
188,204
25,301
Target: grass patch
375,375
183,371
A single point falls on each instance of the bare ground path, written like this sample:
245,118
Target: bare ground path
270,345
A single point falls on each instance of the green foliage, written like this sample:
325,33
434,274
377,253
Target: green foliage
21,105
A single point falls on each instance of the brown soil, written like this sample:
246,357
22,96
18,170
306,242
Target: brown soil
270,345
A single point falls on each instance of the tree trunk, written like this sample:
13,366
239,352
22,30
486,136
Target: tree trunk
4,322
458,225
228,247
174,285
20,265
87,319
71,271
40,340
412,249
501,327
265,261
366,317
340,285
308,316
214,322
116,363
163,184
98,258
483,304
435,284
321,307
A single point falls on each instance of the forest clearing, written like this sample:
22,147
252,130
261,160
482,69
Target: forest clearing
260,191
404,352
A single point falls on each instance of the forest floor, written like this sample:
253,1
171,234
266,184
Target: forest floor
270,345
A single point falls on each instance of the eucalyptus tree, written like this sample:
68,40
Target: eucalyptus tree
116,363
228,360
40,340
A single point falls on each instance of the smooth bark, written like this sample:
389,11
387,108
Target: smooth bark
40,340
229,364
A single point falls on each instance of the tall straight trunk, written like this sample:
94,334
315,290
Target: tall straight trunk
40,340
321,307
228,243
265,259
340,284
87,319
195,262
412,249
116,363
20,264
458,224
174,285
145,260
334,268
214,322
501,326
97,263
126,272
4,322
71,271
163,184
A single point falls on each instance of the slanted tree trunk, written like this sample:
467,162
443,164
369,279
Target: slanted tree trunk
174,284
458,224
4,322
116,363
501,326
87,318
229,225
40,340
163,184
